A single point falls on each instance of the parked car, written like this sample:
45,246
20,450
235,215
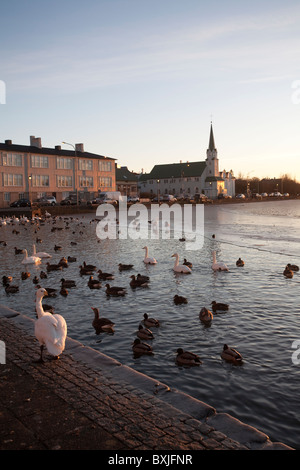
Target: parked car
133,199
223,196
240,196
200,197
21,203
169,198
51,200
264,194
277,194
70,201
286,195
47,201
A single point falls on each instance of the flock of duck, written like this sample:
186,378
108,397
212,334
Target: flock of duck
51,328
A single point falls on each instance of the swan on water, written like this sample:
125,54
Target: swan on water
148,259
41,254
180,268
218,265
30,259
50,330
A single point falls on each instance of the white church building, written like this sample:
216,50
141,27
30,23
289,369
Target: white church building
190,178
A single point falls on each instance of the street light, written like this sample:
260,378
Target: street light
75,172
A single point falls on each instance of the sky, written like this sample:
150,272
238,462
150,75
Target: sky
140,81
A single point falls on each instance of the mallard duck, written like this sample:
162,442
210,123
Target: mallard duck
67,283
85,272
187,358
71,259
219,306
63,262
142,277
25,275
57,247
35,280
115,291
94,283
178,300
288,272
139,347
89,267
18,251
125,267
231,355
104,276
43,275
292,267
240,262
50,291
63,291
150,322
10,289
205,315
137,283
144,333
53,267
101,324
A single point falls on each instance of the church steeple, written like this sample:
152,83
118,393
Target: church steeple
211,139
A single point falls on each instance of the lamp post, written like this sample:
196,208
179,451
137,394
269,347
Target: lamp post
75,170
158,191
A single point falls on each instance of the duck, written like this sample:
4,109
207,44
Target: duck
150,322
72,259
140,347
85,272
25,275
53,267
288,272
64,292
231,355
18,251
180,268
137,282
63,262
30,259
142,277
57,248
50,329
7,279
218,265
89,267
11,289
50,291
114,290
187,358
35,280
179,299
187,263
125,267
40,254
144,333
104,276
94,283
292,267
148,259
101,324
219,306
205,315
67,283
240,262
43,275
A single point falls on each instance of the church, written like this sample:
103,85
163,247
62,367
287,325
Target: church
185,179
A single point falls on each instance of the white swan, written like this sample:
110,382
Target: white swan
41,254
218,266
147,259
180,268
30,259
50,330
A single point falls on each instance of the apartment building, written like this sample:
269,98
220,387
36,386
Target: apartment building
35,171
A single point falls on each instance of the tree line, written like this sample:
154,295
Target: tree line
284,184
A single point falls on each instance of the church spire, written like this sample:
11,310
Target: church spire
211,139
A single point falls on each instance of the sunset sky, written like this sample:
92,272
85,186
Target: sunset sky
140,81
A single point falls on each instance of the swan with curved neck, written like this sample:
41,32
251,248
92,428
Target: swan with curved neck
218,265
180,268
148,259
30,259
40,254
50,330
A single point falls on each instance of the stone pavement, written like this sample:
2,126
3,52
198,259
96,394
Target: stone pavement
88,401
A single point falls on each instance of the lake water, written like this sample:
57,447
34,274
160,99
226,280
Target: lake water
262,322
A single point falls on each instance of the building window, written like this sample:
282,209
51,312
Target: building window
12,180
105,181
64,181
64,163
7,197
11,159
40,180
86,181
37,161
104,165
85,164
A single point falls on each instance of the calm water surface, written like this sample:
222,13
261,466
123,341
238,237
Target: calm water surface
262,321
